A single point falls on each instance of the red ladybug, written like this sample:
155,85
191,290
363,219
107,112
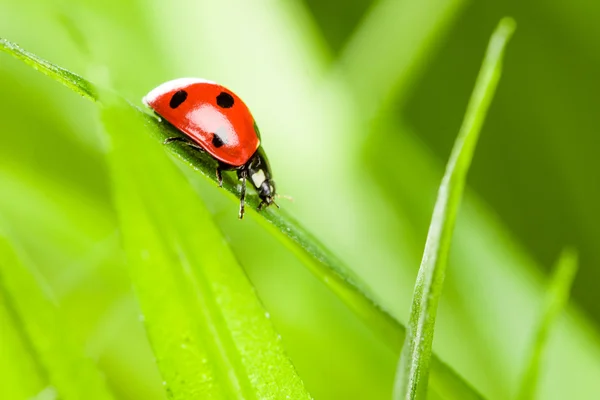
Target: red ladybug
215,120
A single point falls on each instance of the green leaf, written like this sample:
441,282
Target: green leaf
211,336
414,365
315,256
556,298
47,348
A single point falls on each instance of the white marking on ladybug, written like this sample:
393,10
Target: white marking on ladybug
258,178
223,133
210,119
170,86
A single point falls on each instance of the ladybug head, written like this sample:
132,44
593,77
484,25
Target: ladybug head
266,192
259,173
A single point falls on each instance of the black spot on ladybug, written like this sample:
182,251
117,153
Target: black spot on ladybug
225,100
216,141
178,98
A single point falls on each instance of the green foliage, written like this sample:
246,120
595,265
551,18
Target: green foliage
320,261
358,104
210,334
414,365
69,79
556,298
37,348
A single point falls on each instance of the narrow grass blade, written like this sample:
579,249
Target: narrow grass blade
315,256
59,362
556,299
22,375
399,35
67,78
211,336
413,368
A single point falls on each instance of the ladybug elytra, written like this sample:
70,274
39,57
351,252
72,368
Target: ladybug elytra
216,121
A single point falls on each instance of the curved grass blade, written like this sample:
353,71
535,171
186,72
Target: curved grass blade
67,78
211,336
399,35
59,363
556,298
413,368
315,256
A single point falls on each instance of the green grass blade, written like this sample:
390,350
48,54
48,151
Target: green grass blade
555,301
211,336
399,34
413,368
318,259
67,78
22,375
59,362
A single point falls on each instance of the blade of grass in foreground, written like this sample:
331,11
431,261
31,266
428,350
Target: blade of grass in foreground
58,362
22,375
315,256
211,336
556,298
413,368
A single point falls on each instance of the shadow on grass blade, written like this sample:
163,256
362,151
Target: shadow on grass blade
414,365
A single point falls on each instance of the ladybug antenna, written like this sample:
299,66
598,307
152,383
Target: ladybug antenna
285,196
276,205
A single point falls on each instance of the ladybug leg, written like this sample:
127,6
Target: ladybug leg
261,205
176,139
183,140
265,204
219,176
242,194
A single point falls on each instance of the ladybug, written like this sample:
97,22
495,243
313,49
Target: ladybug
215,120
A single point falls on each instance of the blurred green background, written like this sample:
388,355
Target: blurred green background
359,103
